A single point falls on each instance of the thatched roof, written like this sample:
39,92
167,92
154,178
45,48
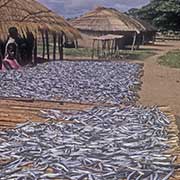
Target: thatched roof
31,15
107,19
148,26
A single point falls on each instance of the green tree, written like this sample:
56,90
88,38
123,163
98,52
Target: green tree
164,14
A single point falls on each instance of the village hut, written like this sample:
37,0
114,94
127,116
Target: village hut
33,20
149,34
102,21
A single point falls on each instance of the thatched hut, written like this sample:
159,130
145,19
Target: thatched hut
103,21
148,35
33,20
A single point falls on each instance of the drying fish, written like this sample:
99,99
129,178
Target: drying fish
89,82
107,143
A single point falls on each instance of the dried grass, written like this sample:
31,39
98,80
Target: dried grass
32,16
108,19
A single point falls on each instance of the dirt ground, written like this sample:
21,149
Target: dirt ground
161,84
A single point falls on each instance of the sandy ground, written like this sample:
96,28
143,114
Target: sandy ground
161,84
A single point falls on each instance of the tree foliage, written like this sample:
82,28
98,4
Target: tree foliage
164,14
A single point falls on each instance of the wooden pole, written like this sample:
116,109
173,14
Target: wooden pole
138,41
116,44
43,41
109,47
54,47
143,39
35,51
30,40
47,44
60,46
98,55
92,57
103,42
112,47
105,49
134,41
76,43
1,58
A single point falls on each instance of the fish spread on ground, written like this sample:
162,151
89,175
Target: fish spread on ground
102,143
88,81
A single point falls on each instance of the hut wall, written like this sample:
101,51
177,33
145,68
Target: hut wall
148,36
87,38
86,41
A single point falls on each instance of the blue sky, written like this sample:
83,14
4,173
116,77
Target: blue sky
72,8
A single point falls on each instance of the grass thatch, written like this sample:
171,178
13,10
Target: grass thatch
148,27
108,19
33,16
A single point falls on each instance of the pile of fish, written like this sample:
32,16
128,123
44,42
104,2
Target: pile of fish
102,143
88,81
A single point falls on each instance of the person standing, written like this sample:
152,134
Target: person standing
21,45
13,36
